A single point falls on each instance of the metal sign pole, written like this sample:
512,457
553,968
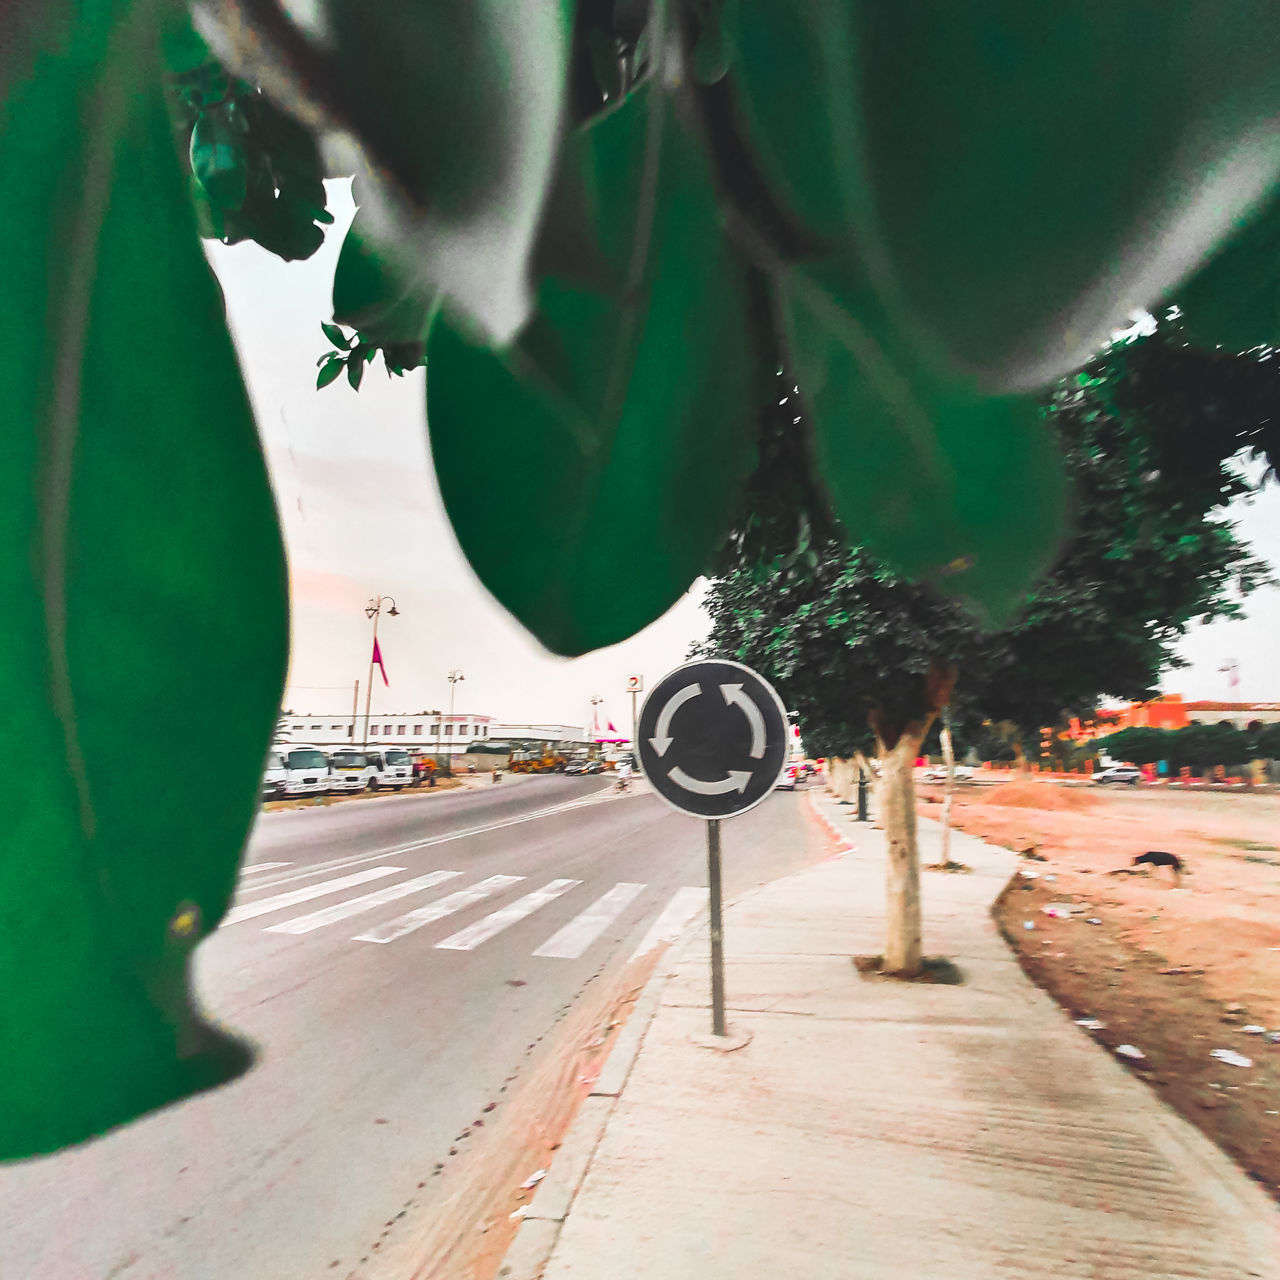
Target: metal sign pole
717,929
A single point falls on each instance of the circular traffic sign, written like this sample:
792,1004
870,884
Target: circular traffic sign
712,738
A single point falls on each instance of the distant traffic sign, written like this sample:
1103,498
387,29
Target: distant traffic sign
635,684
712,738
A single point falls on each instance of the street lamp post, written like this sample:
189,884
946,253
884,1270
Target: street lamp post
454,676
374,610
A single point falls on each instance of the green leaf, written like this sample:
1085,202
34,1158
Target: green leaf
141,570
330,372
619,425
337,337
1234,300
373,294
458,106
943,484
355,369
1014,179
218,159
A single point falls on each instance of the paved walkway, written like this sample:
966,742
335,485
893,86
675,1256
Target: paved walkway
873,1129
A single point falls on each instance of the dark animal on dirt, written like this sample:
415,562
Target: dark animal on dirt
1158,858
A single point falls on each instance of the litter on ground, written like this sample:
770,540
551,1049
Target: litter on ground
1231,1057
1129,1051
1090,1024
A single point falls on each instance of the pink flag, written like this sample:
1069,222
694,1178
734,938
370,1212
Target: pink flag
611,728
377,659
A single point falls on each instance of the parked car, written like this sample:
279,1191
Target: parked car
578,766
306,770
1125,773
351,770
391,767
938,773
274,775
790,775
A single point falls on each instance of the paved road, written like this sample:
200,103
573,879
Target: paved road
394,959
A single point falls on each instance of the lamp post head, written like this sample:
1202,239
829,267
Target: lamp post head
393,612
370,609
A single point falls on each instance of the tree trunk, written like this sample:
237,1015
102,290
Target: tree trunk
899,745
903,949
949,759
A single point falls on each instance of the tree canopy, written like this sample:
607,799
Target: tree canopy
1151,553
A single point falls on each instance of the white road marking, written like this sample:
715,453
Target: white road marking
473,935
294,896
263,866
401,925
684,905
571,941
354,906
354,860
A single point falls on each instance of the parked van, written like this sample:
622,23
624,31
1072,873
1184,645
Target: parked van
351,770
391,767
306,769
274,775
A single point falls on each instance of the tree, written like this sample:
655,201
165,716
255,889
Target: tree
597,219
860,653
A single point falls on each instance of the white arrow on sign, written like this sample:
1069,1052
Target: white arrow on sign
736,781
733,696
662,730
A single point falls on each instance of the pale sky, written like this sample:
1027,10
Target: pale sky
362,516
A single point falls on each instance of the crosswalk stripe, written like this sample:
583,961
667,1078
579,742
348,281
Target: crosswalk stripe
354,906
474,934
394,851
398,927
684,905
263,866
571,941
291,899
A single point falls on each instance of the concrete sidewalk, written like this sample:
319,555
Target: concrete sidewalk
880,1129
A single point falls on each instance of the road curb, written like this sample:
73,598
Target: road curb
845,840
539,1231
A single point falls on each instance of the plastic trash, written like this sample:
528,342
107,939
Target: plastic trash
1028,925
1056,913
533,1179
1093,920
1231,1057
1273,1037
1254,1030
1129,1051
520,1212
1090,1024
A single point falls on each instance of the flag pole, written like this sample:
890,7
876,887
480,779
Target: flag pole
368,691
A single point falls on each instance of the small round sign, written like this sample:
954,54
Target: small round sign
712,738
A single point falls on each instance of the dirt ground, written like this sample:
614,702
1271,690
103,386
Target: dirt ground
1175,971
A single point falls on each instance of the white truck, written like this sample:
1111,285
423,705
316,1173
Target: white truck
306,769
351,770
391,767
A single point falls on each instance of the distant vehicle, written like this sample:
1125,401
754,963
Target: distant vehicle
577,764
306,769
391,767
938,773
1125,773
274,775
351,770
595,766
790,775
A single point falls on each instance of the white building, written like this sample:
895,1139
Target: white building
438,734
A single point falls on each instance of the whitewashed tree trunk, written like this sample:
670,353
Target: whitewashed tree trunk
949,759
903,951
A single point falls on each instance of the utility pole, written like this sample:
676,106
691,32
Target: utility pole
374,610
355,713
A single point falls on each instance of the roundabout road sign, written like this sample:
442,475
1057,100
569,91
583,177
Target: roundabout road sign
712,738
